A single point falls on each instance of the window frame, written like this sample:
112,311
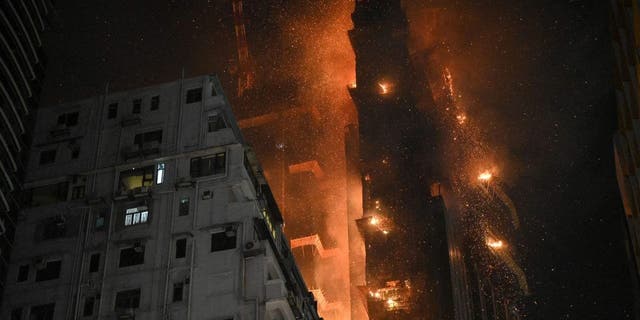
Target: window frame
112,110
218,243
136,106
131,261
154,103
129,295
137,217
52,153
43,274
190,95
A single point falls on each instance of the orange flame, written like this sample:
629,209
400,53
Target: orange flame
385,87
485,176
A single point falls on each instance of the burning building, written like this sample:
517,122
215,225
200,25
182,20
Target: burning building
408,271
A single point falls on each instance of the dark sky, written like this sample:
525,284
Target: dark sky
541,70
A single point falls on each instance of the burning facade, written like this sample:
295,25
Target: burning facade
408,272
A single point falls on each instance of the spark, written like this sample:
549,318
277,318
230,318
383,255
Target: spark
385,231
485,176
495,244
462,118
384,87
391,303
353,85
374,221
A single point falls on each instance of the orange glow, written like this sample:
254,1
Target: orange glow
485,176
462,118
385,231
385,87
495,244
374,221
353,85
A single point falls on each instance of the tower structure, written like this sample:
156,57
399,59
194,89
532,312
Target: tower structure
404,216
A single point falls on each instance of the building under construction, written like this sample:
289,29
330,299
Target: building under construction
408,273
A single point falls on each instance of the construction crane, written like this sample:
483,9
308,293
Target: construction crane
245,70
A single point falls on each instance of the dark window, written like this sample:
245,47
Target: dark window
131,256
100,221
16,314
181,248
184,207
223,239
48,194
137,104
128,299
178,291
42,312
50,271
68,119
48,156
88,306
194,95
147,137
215,122
94,262
23,273
213,89
205,166
155,102
113,111
77,192
54,228
75,153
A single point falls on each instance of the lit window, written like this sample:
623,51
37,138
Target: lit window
159,173
136,216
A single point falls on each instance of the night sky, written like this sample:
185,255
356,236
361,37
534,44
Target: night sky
537,73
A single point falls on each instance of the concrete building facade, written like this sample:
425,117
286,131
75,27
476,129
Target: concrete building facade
21,71
625,29
147,204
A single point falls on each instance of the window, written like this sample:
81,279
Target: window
194,95
213,89
148,137
48,194
136,178
75,153
112,112
215,122
183,210
16,314
94,262
54,228
100,221
137,104
223,239
48,156
42,312
68,119
204,166
131,256
128,299
133,216
77,192
159,173
181,248
155,103
178,291
23,273
50,271
88,306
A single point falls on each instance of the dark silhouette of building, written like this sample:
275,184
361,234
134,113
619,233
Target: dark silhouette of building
408,272
22,66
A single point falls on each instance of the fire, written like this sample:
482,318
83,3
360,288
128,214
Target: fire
374,221
495,244
353,85
462,118
392,304
385,87
485,176
385,231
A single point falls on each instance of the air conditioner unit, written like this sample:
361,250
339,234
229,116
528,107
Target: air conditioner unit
39,263
252,248
137,247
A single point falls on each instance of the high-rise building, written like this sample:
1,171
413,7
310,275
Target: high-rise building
147,204
21,71
408,273
626,34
